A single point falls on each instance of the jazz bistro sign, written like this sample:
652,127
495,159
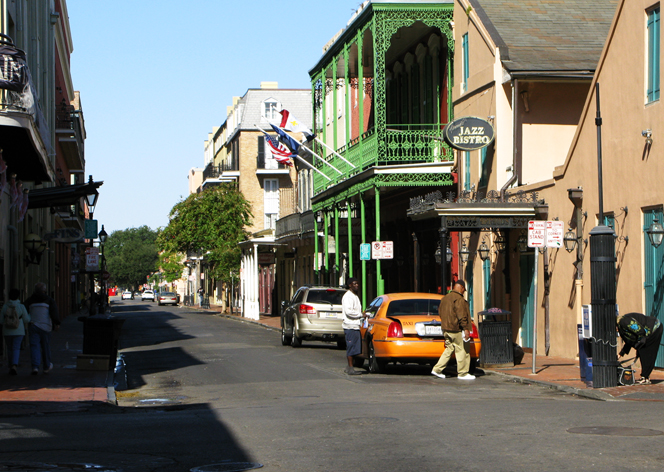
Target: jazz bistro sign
469,133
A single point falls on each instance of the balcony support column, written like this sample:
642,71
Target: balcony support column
380,283
363,236
337,275
350,238
326,247
316,255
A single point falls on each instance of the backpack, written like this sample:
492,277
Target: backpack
11,318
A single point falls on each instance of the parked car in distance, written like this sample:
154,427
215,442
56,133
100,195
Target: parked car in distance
314,314
137,294
147,295
127,295
405,328
167,298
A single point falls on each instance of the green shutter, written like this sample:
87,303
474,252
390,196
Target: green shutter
653,55
466,168
464,47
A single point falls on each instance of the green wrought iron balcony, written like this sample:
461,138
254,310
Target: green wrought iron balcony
393,146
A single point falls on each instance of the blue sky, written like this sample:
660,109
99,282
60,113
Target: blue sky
156,76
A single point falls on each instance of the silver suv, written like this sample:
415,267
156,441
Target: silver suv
314,314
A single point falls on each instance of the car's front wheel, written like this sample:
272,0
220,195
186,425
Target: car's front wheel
376,366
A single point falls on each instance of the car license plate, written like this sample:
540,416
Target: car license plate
433,330
329,314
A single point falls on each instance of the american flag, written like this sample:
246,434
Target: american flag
280,152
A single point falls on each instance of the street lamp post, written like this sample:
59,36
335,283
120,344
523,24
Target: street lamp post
91,200
102,271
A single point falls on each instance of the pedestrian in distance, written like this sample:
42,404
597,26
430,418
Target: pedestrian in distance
643,333
456,324
45,317
351,308
14,319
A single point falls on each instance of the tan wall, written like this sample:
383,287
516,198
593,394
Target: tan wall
630,178
251,184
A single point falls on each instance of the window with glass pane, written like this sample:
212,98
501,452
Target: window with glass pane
653,55
270,110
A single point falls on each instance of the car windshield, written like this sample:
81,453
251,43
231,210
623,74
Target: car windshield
413,307
331,295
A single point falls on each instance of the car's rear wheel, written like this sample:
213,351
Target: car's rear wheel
358,362
376,366
295,341
285,340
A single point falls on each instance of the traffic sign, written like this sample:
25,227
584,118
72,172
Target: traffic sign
554,234
365,251
382,250
536,233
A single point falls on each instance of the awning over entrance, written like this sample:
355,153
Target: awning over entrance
468,213
22,148
60,196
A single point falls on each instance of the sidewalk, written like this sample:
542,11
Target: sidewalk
62,389
68,389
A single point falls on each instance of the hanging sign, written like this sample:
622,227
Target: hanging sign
91,229
468,133
65,235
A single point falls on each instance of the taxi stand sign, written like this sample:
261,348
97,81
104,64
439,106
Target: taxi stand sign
545,234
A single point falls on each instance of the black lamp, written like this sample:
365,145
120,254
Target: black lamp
484,251
655,233
464,253
91,199
448,255
103,235
35,246
570,240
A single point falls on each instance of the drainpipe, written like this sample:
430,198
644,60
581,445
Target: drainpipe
510,182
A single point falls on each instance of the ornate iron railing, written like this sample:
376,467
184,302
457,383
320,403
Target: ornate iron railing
296,223
397,144
213,171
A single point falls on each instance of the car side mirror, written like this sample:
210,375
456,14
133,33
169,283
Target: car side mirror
283,303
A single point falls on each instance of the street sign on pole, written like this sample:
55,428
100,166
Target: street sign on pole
365,251
554,234
382,250
537,234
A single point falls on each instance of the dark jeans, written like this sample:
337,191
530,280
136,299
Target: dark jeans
648,353
40,347
13,348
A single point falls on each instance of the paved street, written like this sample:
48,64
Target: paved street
203,389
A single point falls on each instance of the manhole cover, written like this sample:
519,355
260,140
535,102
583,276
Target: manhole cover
227,467
615,431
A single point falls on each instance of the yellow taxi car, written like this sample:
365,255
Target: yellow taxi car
405,328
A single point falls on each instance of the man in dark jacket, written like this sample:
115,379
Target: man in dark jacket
44,318
644,334
455,322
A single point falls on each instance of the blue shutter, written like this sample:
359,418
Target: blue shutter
653,55
653,280
484,172
464,47
487,283
466,169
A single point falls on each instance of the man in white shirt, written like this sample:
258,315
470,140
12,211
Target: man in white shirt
352,311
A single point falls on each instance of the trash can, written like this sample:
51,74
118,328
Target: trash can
102,336
495,332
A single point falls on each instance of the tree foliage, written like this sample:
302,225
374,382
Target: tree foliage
131,255
211,221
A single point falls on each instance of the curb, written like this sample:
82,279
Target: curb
591,394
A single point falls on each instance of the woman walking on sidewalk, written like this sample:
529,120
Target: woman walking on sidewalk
14,319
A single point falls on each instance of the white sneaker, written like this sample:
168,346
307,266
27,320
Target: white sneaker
466,377
442,376
50,368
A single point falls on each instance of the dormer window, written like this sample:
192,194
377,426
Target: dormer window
271,109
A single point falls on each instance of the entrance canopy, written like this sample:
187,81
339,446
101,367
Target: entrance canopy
61,196
468,213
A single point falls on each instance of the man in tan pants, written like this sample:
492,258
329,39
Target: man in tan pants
455,322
